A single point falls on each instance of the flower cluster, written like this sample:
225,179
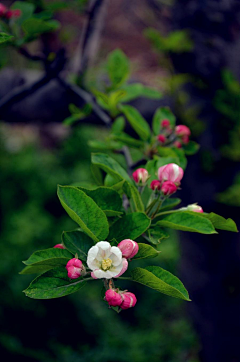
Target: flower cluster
173,137
8,14
106,262
169,178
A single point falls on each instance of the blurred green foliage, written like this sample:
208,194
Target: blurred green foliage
72,328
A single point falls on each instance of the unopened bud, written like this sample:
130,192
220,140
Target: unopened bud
13,14
113,298
3,10
177,144
195,208
182,130
170,172
185,140
59,246
140,175
161,138
168,188
155,185
129,300
165,123
74,268
129,248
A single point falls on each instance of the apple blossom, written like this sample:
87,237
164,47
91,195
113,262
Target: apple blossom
129,300
59,246
74,268
170,172
140,175
155,185
168,188
182,130
105,261
129,248
113,298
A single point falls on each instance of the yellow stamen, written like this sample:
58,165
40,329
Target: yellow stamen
106,264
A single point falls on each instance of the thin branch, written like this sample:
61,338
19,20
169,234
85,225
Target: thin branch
21,92
87,98
90,37
26,54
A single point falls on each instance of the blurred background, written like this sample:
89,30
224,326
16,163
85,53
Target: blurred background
190,51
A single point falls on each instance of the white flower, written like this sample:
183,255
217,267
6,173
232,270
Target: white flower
106,261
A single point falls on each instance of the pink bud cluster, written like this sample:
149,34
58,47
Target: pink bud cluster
8,14
169,178
124,299
173,137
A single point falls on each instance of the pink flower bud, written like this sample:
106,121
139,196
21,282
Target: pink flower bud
129,300
129,248
161,138
13,13
195,208
155,185
3,9
170,172
182,130
177,144
168,188
185,140
165,123
59,246
74,268
140,175
124,268
113,298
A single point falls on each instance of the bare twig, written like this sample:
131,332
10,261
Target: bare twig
87,98
89,42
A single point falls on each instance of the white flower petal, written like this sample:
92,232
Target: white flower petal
104,248
116,255
91,258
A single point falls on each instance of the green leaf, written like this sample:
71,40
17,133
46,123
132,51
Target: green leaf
130,226
169,204
146,251
127,140
77,242
110,166
156,235
4,38
26,8
117,67
44,260
191,148
159,115
187,221
106,198
33,27
97,174
138,123
132,192
220,222
84,211
118,125
161,280
53,284
136,90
